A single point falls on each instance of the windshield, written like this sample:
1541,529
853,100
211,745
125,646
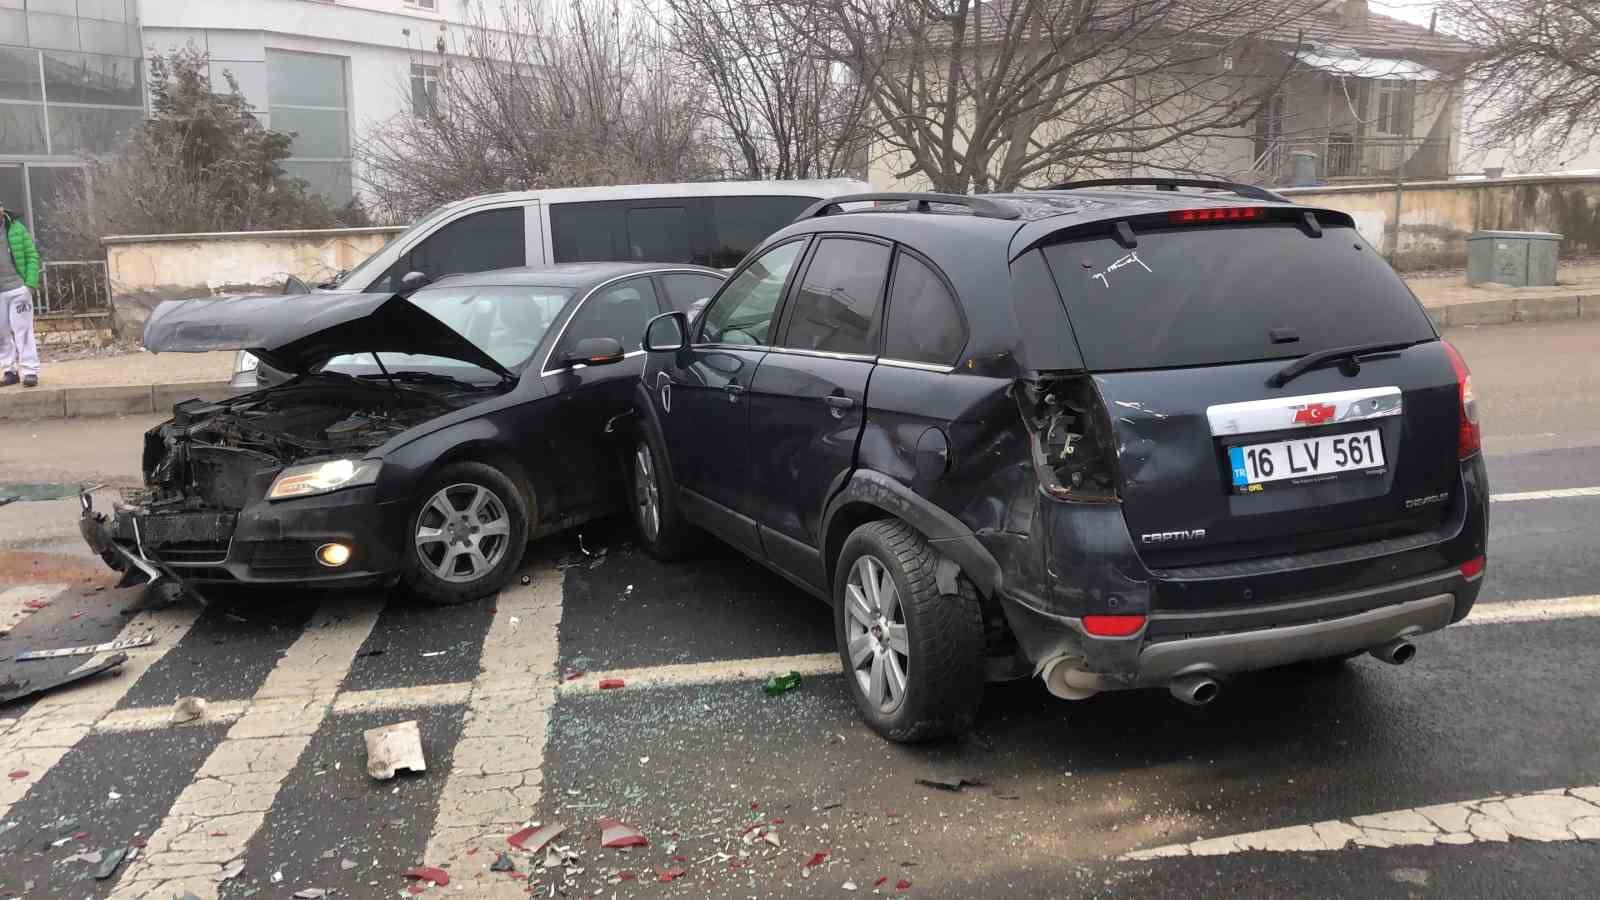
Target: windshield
506,321
357,278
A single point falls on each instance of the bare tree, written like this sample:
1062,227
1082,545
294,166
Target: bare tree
532,94
780,110
972,95
1535,84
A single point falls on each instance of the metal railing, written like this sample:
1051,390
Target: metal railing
1343,156
74,287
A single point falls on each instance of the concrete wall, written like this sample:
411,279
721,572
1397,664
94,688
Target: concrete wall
1436,217
147,269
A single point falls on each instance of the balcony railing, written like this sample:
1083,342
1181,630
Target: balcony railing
74,287
1340,157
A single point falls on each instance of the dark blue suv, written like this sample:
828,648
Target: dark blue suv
1112,436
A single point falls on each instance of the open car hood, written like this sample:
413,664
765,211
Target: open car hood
294,332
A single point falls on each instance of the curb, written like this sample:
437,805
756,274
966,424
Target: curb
1506,311
20,404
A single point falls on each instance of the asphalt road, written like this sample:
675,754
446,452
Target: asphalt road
1483,751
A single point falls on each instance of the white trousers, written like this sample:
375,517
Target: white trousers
19,351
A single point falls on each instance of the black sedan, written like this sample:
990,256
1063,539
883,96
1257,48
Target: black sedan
422,439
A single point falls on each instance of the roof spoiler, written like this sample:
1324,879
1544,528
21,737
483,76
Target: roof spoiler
1172,184
915,202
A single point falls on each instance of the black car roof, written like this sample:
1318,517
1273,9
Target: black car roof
575,275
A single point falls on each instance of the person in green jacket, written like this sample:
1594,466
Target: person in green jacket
19,282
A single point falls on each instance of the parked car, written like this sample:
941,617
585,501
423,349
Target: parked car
1113,437
709,224
450,427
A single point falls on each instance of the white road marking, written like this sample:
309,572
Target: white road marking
1533,611
496,775
35,741
218,813
448,694
14,602
1560,814
718,672
1560,494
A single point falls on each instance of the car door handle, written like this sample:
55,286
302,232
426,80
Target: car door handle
734,391
840,403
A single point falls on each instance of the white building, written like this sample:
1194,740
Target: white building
325,69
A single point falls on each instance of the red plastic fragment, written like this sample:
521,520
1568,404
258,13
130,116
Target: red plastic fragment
754,806
429,873
79,835
679,857
902,885
533,839
575,674
608,684
76,615
217,834
18,775
880,881
777,821
614,834
890,813
36,604
669,874
817,859
627,876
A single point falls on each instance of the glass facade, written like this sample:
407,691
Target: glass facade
71,83
307,94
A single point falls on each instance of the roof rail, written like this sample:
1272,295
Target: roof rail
1172,184
918,202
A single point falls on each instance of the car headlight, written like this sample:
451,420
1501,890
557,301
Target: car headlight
322,477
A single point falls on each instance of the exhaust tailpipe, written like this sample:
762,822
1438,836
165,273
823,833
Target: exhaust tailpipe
1064,678
1397,652
1195,690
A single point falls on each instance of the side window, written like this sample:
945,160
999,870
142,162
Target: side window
658,234
836,308
924,321
689,293
739,224
742,313
493,239
620,311
586,232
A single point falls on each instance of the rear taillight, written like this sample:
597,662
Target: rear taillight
1470,438
1472,568
1074,455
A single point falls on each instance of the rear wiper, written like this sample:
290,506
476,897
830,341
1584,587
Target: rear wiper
1312,360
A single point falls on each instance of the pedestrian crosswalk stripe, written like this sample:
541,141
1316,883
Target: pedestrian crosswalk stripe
447,694
37,740
1558,494
14,601
1533,610
214,818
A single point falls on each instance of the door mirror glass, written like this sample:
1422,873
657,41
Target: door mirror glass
667,333
596,351
412,282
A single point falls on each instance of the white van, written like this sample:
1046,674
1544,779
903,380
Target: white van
706,223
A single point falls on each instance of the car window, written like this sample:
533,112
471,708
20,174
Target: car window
586,232
836,307
741,223
492,239
742,313
685,290
507,322
658,234
620,311
924,322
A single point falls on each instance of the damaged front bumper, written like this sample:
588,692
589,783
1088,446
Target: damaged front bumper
262,544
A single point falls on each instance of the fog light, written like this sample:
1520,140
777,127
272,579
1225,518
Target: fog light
333,555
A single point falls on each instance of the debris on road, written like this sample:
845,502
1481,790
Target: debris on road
394,747
187,709
276,877
113,859
346,865
817,859
949,784
671,874
503,863
614,834
536,836
88,649
611,684
574,675
902,885
428,873
229,871
18,775
12,689
309,894
781,684
849,886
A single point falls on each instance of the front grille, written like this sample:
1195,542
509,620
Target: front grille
192,553
286,558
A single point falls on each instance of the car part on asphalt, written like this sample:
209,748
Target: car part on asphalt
13,688
1114,437
391,748
143,640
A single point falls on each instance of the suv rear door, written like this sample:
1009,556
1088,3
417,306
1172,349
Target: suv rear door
809,396
1183,334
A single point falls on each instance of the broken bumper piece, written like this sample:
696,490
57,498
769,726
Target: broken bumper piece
263,543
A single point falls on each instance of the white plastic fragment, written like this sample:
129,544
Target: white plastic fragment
394,747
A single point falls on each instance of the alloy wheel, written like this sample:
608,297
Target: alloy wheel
463,533
875,627
646,491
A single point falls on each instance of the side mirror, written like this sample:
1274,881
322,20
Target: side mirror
296,285
411,282
600,351
667,333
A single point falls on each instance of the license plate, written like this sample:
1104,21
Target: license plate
1304,460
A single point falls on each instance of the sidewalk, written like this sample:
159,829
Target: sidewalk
147,382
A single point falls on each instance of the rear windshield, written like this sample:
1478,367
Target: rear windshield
1204,295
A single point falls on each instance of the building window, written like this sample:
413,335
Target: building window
1394,108
424,4
306,95
424,88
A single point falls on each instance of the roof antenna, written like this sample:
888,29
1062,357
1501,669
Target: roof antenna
376,359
